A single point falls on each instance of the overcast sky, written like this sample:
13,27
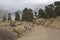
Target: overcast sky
20,4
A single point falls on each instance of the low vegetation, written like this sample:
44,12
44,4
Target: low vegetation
6,34
52,22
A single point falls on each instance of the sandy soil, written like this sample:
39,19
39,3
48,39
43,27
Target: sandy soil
42,33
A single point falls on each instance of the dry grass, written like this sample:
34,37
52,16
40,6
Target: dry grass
52,23
17,27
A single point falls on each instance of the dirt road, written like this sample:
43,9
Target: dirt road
43,33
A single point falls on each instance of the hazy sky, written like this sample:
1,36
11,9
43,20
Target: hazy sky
20,4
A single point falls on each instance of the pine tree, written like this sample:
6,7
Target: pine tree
9,16
27,15
4,17
36,14
41,13
50,11
17,16
57,9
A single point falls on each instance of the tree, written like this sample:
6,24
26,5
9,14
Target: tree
41,13
51,6
27,15
9,16
53,12
4,17
57,9
35,14
17,16
50,11
57,3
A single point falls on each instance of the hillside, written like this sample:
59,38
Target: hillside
52,22
45,29
39,29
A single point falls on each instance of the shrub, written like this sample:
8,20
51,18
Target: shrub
16,30
5,34
12,24
19,32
